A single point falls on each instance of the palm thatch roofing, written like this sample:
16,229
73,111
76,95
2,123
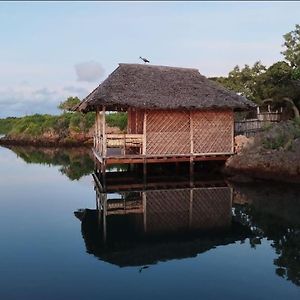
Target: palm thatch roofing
161,87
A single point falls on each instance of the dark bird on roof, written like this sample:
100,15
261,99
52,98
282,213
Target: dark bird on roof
144,59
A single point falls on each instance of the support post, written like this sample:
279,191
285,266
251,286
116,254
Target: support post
144,171
191,171
96,130
129,120
104,132
104,217
144,133
144,211
103,172
144,147
192,133
232,133
192,149
191,208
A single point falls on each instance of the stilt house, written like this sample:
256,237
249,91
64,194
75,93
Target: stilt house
174,114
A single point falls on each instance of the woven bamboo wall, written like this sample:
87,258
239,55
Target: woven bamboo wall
213,131
168,132
135,121
201,208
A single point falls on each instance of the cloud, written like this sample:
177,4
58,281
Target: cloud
76,91
89,71
24,100
44,92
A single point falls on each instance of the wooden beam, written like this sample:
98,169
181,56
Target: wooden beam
137,111
144,211
129,115
232,132
191,208
144,133
104,133
104,195
192,132
96,129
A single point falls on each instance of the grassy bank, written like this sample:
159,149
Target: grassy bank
67,127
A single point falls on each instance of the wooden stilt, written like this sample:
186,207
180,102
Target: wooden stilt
191,172
104,144
103,173
191,208
177,168
144,171
144,211
104,213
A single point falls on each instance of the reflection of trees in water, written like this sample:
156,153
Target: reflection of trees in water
273,213
74,162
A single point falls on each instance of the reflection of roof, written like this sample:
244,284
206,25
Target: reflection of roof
128,245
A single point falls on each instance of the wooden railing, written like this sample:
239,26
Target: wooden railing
269,116
128,143
251,126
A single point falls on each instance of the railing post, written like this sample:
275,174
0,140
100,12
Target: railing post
144,133
104,148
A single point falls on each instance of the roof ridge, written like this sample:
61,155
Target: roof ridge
158,66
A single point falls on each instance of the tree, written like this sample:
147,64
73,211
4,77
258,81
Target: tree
292,47
244,81
68,104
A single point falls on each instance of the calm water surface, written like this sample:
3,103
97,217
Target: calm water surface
214,241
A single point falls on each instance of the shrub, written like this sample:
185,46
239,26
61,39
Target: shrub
117,120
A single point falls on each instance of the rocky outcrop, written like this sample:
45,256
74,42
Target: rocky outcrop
274,154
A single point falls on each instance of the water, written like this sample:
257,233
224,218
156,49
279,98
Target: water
171,241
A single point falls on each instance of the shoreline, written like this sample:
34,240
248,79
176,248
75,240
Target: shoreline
238,171
46,143
251,175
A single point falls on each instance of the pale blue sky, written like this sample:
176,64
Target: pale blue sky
44,43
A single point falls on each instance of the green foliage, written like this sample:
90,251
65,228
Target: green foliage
280,83
68,104
292,47
296,74
7,124
276,142
244,81
74,163
37,124
117,120
282,135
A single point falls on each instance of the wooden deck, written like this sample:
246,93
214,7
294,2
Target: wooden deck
139,159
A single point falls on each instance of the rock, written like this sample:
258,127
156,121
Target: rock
241,142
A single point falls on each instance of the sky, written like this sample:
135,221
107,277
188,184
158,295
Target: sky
52,50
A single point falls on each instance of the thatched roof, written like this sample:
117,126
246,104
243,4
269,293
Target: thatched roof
161,87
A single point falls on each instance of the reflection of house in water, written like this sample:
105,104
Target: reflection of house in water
145,225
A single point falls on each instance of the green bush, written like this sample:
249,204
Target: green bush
36,125
7,124
117,120
281,135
